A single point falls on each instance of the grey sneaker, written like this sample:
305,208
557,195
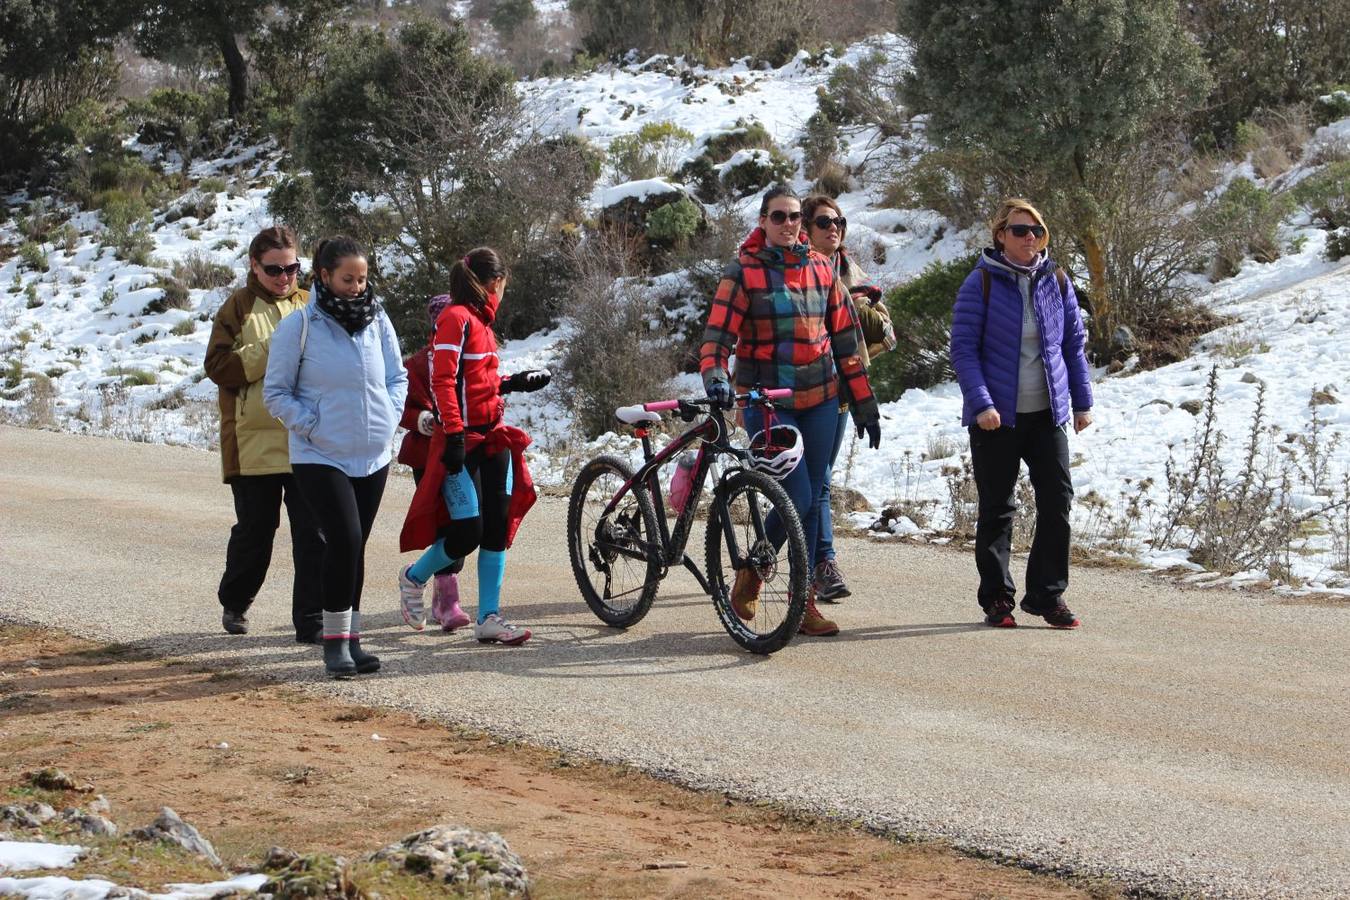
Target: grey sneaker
234,622
828,582
410,600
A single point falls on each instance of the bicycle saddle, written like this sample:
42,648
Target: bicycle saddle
636,415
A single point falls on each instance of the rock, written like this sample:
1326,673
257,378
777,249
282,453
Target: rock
1115,366
626,207
845,500
169,827
1323,398
52,779
1122,340
461,857
41,811
1250,378
89,823
100,806
1192,406
315,875
19,817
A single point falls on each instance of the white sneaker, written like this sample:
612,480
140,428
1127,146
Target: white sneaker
495,628
410,600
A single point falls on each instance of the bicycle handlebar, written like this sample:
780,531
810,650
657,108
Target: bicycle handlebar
754,397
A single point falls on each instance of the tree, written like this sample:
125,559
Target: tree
217,25
717,30
423,150
1056,92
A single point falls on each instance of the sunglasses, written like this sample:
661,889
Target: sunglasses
1021,231
272,271
824,222
778,217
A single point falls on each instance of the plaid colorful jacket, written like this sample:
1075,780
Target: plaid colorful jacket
785,315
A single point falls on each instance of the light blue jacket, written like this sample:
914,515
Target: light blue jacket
341,400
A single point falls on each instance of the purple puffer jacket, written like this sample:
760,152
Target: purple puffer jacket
987,341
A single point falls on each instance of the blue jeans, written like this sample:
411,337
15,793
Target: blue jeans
825,543
803,484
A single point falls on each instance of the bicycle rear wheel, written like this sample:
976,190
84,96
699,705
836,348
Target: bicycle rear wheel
738,542
616,557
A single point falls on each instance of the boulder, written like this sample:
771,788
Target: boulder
89,823
317,875
172,829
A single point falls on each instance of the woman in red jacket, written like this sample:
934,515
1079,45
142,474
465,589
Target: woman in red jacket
419,418
476,488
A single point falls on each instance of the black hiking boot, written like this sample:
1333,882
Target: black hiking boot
999,613
365,662
1056,614
337,657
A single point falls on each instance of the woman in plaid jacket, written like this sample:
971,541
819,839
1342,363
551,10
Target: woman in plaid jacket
781,309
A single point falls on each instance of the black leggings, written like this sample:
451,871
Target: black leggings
478,497
346,506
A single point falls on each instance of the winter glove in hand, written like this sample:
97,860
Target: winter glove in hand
452,454
533,380
870,292
867,419
426,423
720,393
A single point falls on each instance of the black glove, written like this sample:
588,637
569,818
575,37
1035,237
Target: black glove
533,380
720,393
452,454
867,419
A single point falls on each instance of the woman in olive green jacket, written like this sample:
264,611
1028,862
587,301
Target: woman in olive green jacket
253,445
825,227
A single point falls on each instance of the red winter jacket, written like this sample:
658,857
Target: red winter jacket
413,451
464,379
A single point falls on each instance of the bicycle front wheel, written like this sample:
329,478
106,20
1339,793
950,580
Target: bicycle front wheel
740,550
616,556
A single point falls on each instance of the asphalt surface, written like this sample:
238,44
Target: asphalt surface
1182,741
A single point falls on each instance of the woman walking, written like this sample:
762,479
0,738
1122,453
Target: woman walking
1017,348
826,227
781,309
476,488
254,453
336,380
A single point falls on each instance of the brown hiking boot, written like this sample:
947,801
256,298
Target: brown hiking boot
813,623
745,593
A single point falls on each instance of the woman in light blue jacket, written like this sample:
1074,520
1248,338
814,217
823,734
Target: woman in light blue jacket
335,379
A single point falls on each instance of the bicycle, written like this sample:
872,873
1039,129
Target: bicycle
622,547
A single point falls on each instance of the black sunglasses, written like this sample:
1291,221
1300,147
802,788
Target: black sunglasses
1022,231
824,222
778,217
272,271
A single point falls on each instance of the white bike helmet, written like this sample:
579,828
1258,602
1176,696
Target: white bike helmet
779,454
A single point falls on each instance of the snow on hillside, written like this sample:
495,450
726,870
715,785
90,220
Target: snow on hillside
115,368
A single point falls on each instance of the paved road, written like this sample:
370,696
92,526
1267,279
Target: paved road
1183,740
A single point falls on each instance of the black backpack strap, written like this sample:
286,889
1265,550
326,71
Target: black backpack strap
984,285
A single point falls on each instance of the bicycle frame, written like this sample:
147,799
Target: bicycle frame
713,434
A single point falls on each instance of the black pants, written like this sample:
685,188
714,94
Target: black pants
478,498
257,512
346,506
996,457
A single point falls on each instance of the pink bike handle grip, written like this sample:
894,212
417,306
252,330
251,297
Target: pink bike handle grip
661,405
778,393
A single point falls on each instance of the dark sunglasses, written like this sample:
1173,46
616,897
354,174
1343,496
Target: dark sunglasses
824,222
778,217
1021,231
276,271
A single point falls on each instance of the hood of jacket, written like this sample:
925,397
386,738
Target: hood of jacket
757,249
993,260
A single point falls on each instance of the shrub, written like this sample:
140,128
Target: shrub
675,223
212,185
199,272
33,256
184,328
1338,244
179,120
921,311
1244,223
820,144
1332,106
32,300
197,205
709,182
751,171
174,296
654,151
138,377
1326,196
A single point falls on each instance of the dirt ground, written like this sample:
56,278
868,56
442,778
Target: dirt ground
254,765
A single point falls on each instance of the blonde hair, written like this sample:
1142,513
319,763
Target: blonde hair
1005,211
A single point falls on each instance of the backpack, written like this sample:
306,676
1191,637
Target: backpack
984,286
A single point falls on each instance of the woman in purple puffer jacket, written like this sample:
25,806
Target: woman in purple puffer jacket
1017,348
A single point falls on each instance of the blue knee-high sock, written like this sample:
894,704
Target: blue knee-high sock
432,560
491,571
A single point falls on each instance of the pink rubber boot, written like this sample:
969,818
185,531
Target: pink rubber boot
445,603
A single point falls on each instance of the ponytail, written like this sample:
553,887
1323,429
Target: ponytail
471,274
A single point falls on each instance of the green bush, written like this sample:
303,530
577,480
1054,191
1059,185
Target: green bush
196,205
675,223
921,311
1332,105
184,328
127,220
174,295
32,301
650,153
1326,196
756,171
1244,223
200,272
1338,244
820,143
702,175
138,377
33,256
